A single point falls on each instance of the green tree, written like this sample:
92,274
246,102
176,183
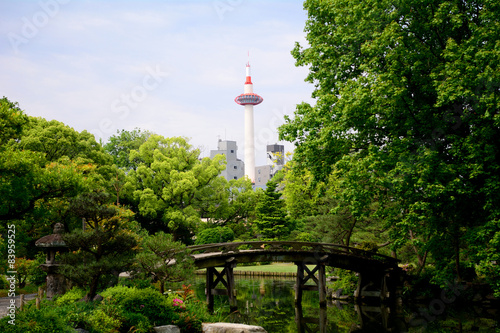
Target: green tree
166,183
271,221
214,235
407,113
105,248
121,144
164,259
12,120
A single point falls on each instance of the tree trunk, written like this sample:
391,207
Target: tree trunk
457,258
349,234
162,286
93,288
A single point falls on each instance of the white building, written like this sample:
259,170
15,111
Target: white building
275,162
235,168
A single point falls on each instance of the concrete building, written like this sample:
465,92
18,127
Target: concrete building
235,168
275,162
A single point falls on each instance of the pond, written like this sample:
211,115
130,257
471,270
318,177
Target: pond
269,302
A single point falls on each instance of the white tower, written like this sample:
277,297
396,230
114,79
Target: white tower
249,99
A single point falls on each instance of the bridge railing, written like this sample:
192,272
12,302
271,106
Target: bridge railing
328,248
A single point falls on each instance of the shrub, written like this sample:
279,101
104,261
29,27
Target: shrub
150,303
136,322
141,308
215,235
188,323
46,320
3,282
101,322
118,293
71,296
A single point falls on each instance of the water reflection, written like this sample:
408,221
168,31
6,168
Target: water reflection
270,303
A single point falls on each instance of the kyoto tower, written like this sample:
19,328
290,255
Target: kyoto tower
249,99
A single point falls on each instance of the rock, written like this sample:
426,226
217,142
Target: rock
167,329
97,298
231,328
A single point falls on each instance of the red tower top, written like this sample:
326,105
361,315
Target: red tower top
248,98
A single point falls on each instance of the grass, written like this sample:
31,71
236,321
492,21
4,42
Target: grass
274,267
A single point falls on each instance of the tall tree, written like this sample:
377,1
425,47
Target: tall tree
271,220
165,183
164,259
121,144
408,103
107,245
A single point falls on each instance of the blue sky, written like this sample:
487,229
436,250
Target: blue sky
172,67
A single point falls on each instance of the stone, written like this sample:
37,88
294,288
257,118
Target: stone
97,298
167,329
231,328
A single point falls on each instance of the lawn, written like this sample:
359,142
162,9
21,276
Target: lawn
277,267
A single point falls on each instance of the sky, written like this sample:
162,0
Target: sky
172,67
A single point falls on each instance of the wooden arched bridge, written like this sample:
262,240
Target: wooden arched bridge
379,275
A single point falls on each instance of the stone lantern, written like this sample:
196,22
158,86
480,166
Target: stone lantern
56,283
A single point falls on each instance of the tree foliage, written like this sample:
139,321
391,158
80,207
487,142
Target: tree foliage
166,183
164,259
121,144
407,116
105,248
271,220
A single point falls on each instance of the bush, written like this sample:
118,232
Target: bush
215,235
150,303
71,296
136,322
101,322
46,320
3,282
141,307
348,281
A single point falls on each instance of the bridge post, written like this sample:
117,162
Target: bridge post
229,268
302,278
226,277
380,286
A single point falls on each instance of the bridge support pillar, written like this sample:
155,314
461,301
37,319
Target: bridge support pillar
379,286
226,278
303,275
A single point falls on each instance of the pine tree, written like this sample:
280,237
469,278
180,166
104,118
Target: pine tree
271,221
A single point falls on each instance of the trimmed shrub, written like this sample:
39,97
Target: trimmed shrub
46,320
215,235
71,296
150,303
101,322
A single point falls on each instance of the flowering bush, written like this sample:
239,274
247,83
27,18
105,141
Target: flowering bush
178,302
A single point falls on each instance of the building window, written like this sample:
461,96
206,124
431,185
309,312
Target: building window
232,151
235,177
258,171
235,167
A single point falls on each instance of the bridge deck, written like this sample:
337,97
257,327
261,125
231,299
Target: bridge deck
212,255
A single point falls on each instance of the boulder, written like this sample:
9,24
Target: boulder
167,329
231,328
